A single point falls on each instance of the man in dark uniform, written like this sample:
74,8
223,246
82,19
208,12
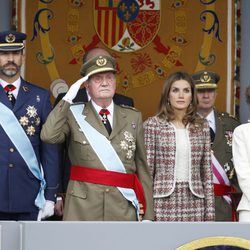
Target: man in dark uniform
29,167
109,177
82,96
222,126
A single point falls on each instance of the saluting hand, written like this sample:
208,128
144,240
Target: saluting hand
72,92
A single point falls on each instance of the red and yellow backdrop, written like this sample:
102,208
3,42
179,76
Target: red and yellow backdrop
149,39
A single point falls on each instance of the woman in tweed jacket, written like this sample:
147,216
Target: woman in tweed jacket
178,153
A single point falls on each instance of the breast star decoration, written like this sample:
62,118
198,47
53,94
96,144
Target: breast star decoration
24,121
229,137
31,111
128,144
229,169
30,130
30,121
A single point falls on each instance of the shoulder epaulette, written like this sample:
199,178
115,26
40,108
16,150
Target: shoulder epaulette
129,107
223,114
226,115
232,116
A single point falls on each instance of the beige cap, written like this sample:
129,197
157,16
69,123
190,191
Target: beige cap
97,65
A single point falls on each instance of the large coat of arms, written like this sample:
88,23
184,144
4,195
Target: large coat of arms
126,25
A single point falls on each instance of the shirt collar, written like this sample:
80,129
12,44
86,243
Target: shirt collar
211,120
16,83
110,108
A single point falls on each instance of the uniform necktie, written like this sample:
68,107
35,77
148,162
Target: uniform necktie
104,114
212,135
9,88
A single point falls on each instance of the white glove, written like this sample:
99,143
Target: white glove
59,206
72,92
47,211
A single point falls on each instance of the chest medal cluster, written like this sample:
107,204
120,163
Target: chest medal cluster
128,144
30,121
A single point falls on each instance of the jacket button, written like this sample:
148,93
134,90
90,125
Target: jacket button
12,150
11,165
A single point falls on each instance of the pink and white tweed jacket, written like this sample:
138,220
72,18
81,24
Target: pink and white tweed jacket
160,144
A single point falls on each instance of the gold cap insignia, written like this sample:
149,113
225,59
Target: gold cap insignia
10,38
101,61
205,77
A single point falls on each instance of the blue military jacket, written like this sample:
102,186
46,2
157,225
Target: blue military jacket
18,186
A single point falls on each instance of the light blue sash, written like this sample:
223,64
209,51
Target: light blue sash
15,132
104,150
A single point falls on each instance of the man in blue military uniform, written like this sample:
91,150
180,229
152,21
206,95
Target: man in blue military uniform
222,126
28,166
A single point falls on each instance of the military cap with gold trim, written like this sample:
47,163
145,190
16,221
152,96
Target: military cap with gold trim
205,79
98,64
11,40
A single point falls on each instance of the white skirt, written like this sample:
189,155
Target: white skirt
244,216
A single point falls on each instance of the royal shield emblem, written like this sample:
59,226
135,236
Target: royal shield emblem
127,25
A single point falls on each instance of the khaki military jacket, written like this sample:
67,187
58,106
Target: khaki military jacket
87,201
222,149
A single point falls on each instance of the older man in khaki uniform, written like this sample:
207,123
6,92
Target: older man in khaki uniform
109,175
222,126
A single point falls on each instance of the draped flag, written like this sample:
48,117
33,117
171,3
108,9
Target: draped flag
149,39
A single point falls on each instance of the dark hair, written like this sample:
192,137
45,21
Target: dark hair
165,109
